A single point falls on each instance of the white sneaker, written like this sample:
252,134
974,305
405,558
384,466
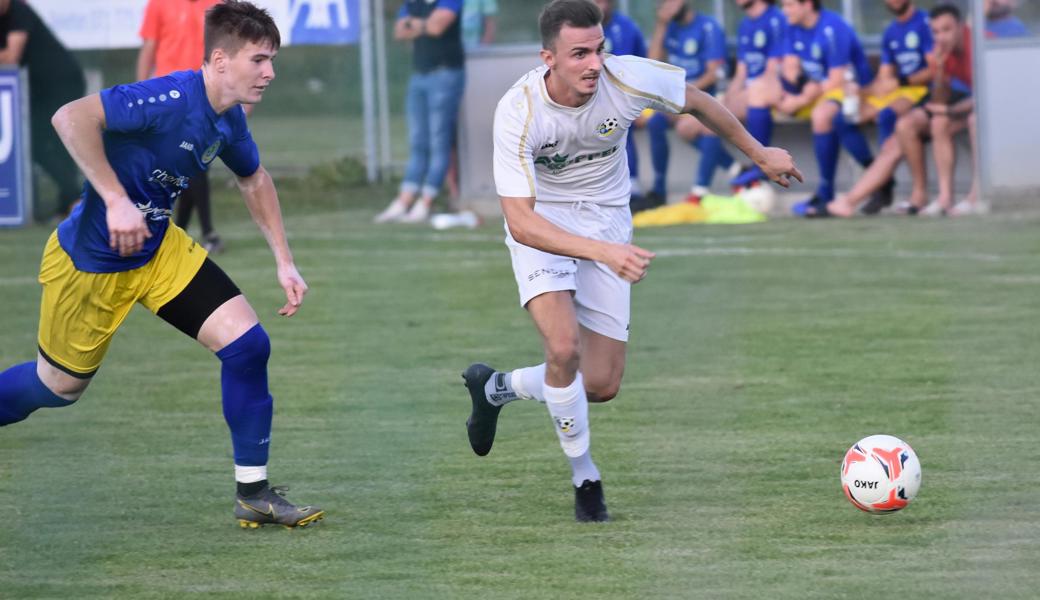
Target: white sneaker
419,213
934,209
393,213
467,219
965,208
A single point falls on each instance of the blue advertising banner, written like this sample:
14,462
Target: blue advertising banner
15,162
324,22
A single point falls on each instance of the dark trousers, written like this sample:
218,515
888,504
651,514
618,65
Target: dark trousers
195,197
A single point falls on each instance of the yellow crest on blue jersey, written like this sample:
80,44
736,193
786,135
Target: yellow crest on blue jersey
211,152
690,47
912,40
760,39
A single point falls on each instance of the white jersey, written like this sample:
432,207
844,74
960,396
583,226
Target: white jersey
558,154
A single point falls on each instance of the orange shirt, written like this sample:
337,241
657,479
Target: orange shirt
176,27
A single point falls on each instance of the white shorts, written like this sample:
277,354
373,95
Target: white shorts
602,299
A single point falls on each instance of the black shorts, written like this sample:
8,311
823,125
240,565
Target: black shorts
204,294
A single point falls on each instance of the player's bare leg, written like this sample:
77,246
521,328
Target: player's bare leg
909,130
874,178
943,131
602,365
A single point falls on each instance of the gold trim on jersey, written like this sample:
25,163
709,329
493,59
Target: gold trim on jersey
523,141
624,87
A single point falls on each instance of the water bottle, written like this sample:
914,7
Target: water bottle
850,105
721,82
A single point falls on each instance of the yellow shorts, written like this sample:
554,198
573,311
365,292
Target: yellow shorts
913,93
80,311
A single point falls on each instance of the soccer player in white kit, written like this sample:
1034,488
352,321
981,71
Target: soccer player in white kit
562,175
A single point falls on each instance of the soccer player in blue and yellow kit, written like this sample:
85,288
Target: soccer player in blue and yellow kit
696,42
622,37
760,50
821,48
138,145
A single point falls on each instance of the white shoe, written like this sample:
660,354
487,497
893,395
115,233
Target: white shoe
467,219
934,209
393,213
965,208
419,213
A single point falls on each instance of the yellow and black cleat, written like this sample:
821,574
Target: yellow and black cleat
269,507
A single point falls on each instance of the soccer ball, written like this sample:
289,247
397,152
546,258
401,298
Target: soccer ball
760,196
880,474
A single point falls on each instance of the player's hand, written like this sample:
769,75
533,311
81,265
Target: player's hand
937,109
779,167
669,9
629,262
127,229
789,104
295,289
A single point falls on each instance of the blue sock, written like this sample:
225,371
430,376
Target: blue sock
22,392
633,157
854,141
760,124
886,122
248,406
713,154
657,127
826,147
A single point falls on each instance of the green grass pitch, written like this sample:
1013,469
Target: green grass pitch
758,355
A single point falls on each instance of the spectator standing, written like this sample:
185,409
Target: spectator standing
172,40
432,103
1001,21
479,22
55,78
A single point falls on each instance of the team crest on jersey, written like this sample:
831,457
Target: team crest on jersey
817,52
760,39
211,152
607,127
912,40
690,47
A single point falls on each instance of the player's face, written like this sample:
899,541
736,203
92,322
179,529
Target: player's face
577,59
898,7
946,31
797,12
251,70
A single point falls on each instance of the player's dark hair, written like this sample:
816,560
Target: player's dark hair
234,23
816,4
946,8
573,13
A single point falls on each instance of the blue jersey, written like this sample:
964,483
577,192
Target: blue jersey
905,45
694,45
623,37
761,39
158,134
831,44
1008,27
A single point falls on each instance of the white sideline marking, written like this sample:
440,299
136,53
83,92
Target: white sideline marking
831,253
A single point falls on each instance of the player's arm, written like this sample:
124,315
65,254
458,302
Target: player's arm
261,198
923,76
79,125
12,54
776,163
531,229
665,13
146,60
835,79
437,23
710,76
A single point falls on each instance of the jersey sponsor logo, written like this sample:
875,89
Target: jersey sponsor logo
154,213
558,162
607,127
187,146
546,271
166,179
549,145
211,152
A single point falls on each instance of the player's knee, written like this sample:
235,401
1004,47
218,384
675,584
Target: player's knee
939,125
563,352
248,353
58,383
602,391
823,117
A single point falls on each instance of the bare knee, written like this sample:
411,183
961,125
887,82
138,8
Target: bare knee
61,383
823,117
602,391
563,353
940,126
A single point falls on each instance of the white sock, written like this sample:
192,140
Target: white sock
569,409
521,384
583,469
250,474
